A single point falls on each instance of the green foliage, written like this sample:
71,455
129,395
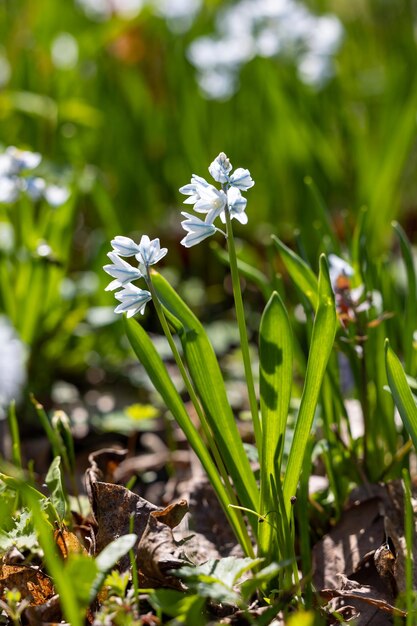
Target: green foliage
401,392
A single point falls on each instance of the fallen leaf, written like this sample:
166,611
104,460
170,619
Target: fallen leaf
29,580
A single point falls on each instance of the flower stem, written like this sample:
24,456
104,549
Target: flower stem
244,343
199,410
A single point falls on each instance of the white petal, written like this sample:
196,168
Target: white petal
124,246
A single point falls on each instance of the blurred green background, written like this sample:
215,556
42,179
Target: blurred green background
110,94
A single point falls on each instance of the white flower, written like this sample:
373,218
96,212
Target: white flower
19,160
197,230
205,197
220,168
9,189
215,202
124,246
147,252
241,179
35,187
56,195
236,204
132,300
12,365
122,271
150,252
192,189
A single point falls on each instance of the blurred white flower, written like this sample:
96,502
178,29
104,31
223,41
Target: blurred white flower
14,164
266,28
5,70
9,189
12,365
7,238
105,9
179,14
64,51
56,195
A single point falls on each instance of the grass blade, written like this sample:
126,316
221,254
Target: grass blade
324,330
403,398
410,315
299,271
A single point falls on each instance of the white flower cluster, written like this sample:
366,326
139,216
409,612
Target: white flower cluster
132,299
214,202
14,165
265,28
12,365
179,14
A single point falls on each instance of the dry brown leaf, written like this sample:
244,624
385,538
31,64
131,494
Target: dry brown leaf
30,581
68,542
158,553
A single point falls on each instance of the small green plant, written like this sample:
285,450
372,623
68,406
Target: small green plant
217,443
14,605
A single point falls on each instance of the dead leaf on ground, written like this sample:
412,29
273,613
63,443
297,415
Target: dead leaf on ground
364,554
29,580
68,542
158,552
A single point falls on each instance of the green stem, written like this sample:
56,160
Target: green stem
199,410
244,343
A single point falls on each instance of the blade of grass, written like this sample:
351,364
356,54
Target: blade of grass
410,314
403,398
299,271
324,331
14,434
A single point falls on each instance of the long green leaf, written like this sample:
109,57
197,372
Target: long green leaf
207,378
403,398
157,372
322,339
276,360
410,314
299,271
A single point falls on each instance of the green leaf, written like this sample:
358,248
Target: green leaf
188,607
227,570
22,535
157,372
299,271
207,378
82,569
403,398
216,578
410,313
276,361
53,480
322,339
108,558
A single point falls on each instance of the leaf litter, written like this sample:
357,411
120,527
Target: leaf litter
358,567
